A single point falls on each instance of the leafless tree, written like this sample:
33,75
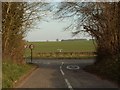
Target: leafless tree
102,21
17,18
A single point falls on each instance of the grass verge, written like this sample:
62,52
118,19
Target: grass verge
12,72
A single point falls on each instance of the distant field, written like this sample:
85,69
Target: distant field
66,46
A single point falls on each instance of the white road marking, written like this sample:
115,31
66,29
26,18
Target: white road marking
62,63
48,63
73,67
66,80
60,67
62,72
68,84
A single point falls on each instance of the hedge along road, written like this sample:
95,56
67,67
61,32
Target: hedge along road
63,74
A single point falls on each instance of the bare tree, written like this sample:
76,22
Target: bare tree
17,18
98,19
102,21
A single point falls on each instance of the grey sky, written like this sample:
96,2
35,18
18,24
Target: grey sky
51,30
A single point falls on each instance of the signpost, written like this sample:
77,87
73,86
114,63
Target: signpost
25,46
31,46
60,50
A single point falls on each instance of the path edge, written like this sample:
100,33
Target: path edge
24,76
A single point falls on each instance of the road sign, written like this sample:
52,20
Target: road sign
25,46
60,50
31,46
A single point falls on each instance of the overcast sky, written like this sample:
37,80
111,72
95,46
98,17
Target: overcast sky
51,30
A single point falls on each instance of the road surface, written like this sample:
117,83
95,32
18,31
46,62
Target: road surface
63,74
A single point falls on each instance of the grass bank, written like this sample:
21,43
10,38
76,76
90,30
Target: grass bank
63,55
11,73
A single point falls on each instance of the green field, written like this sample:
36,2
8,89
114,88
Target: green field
66,46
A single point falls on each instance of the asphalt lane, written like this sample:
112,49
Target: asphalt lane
63,74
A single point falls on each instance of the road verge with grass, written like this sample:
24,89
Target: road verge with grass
13,73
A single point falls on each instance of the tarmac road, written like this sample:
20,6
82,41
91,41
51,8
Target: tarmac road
63,74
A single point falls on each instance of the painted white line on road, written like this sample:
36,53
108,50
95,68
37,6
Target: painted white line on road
62,72
66,80
48,63
68,84
62,63
60,67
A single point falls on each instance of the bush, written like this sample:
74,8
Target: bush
108,69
